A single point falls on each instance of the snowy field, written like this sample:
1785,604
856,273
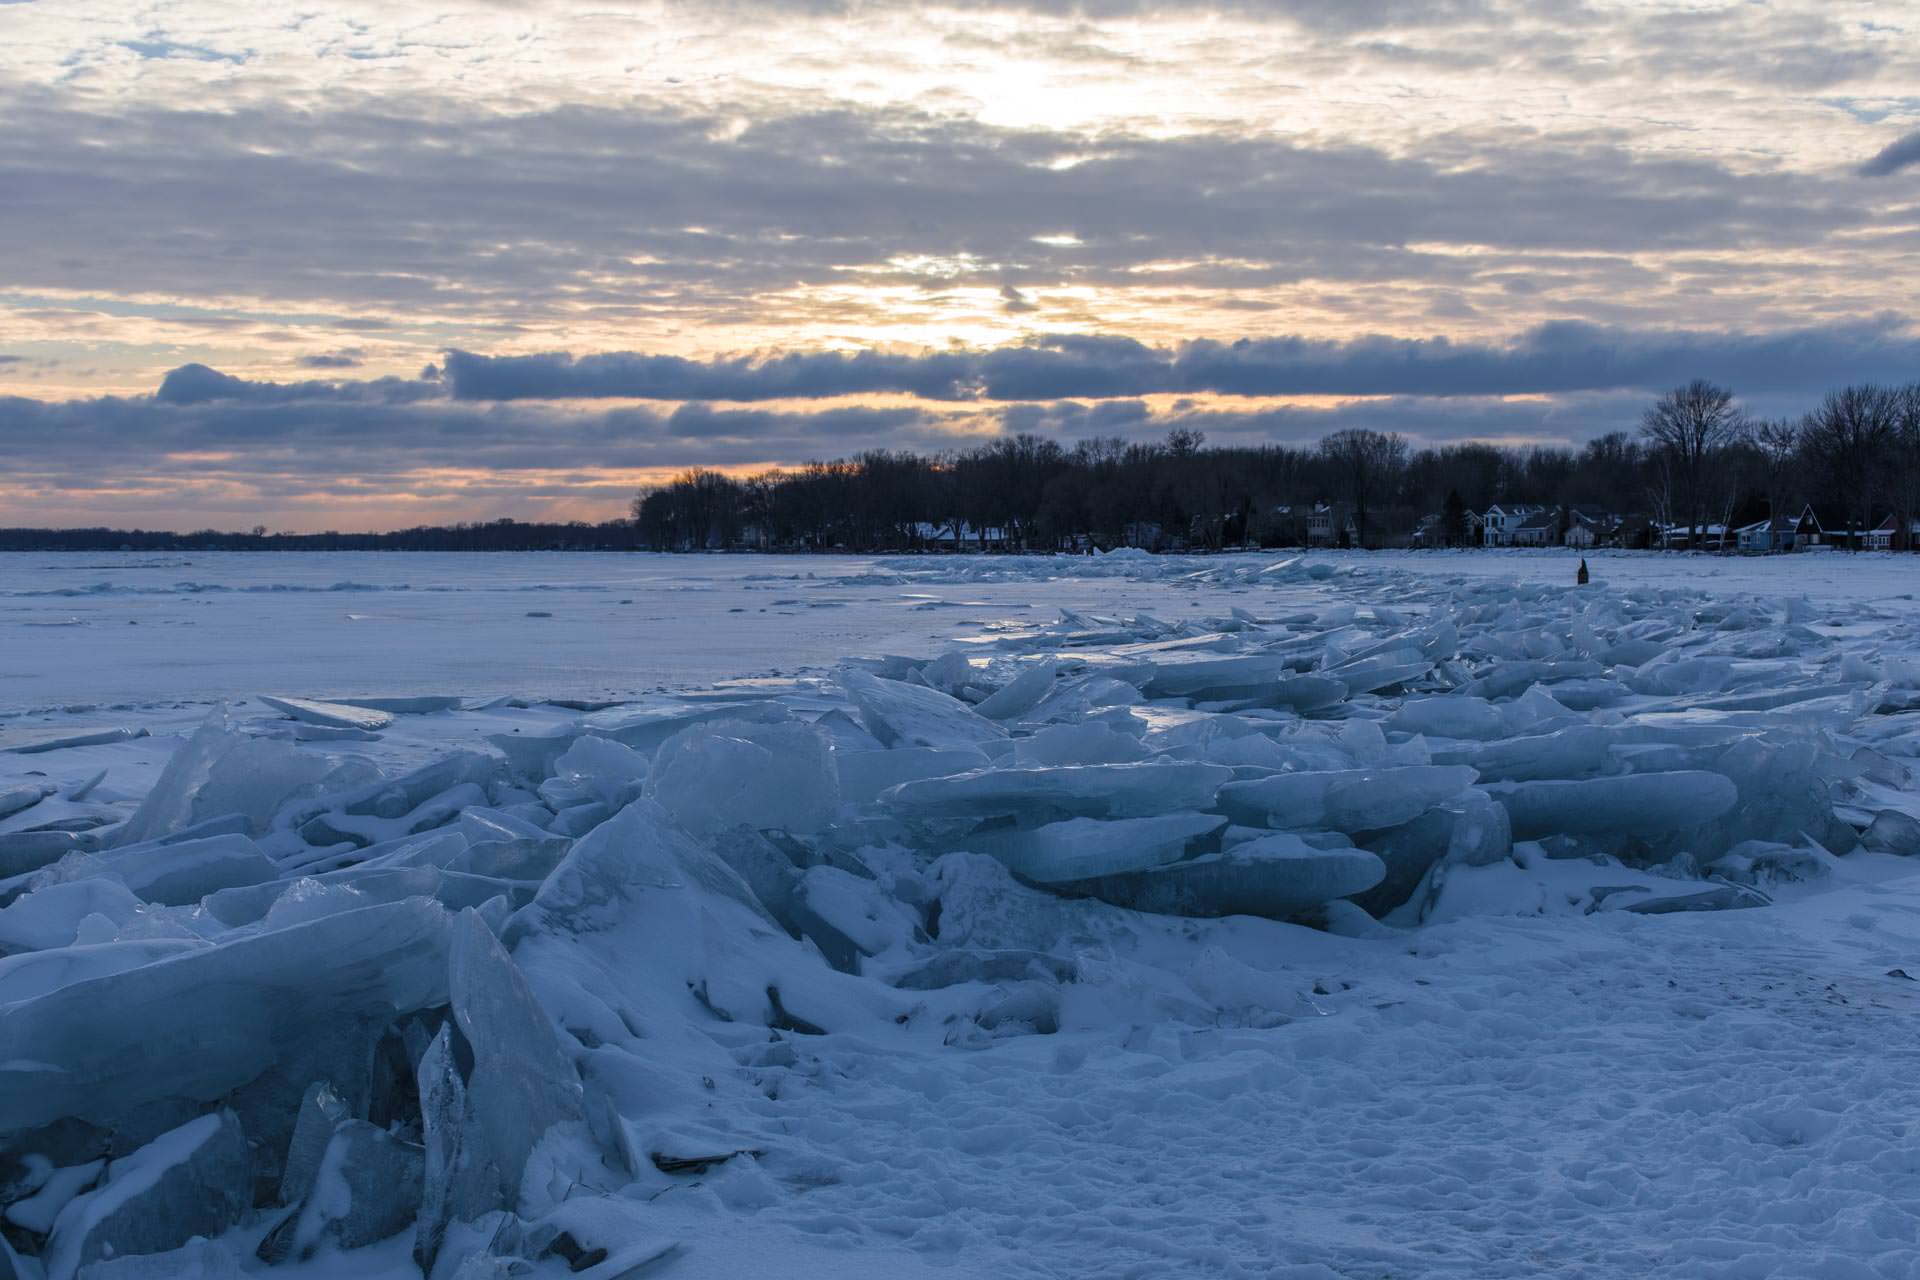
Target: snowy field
1362,916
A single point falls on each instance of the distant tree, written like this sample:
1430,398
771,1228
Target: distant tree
1690,426
1453,520
1364,465
1184,442
1852,439
1906,496
1777,442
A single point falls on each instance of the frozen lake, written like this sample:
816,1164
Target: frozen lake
1321,917
139,630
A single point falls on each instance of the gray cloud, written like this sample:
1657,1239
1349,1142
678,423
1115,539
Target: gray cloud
1559,357
197,384
332,360
1893,157
547,216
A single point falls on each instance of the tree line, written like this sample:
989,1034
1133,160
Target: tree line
494,535
1697,459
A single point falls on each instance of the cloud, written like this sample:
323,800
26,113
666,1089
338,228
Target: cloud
334,360
1893,157
1558,357
197,384
489,219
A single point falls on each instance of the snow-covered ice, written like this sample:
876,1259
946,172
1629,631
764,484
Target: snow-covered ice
1323,916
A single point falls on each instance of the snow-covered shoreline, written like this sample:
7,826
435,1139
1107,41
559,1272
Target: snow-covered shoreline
1322,916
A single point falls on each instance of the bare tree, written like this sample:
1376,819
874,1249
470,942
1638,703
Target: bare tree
1906,488
1691,425
1777,440
1364,463
1851,437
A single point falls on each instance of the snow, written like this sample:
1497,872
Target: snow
1337,915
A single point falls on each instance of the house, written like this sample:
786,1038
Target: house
1679,537
1808,531
1332,525
1432,531
1501,519
1765,537
958,535
1540,529
1590,527
1886,535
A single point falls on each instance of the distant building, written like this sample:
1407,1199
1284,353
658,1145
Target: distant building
1431,531
1332,525
1590,527
1540,528
1501,520
1886,535
1766,537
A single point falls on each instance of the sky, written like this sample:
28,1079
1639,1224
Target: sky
368,265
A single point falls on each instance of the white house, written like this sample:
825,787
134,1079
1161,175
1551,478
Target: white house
1499,522
1329,524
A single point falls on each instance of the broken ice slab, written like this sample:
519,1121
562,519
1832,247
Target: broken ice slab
1892,831
1509,679
334,715
24,851
1276,876
219,772
195,1180
1210,675
521,1083
1452,716
1344,799
1380,670
1634,804
1086,791
29,976
97,738
1564,753
1721,897
644,728
20,798
906,715
365,1188
202,1023
182,873
321,1112
1020,694
864,775
51,916
595,770
848,917
1082,848
730,773
1471,830
415,705
1089,742
531,756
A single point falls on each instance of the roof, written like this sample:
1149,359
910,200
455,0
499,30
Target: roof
1540,519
